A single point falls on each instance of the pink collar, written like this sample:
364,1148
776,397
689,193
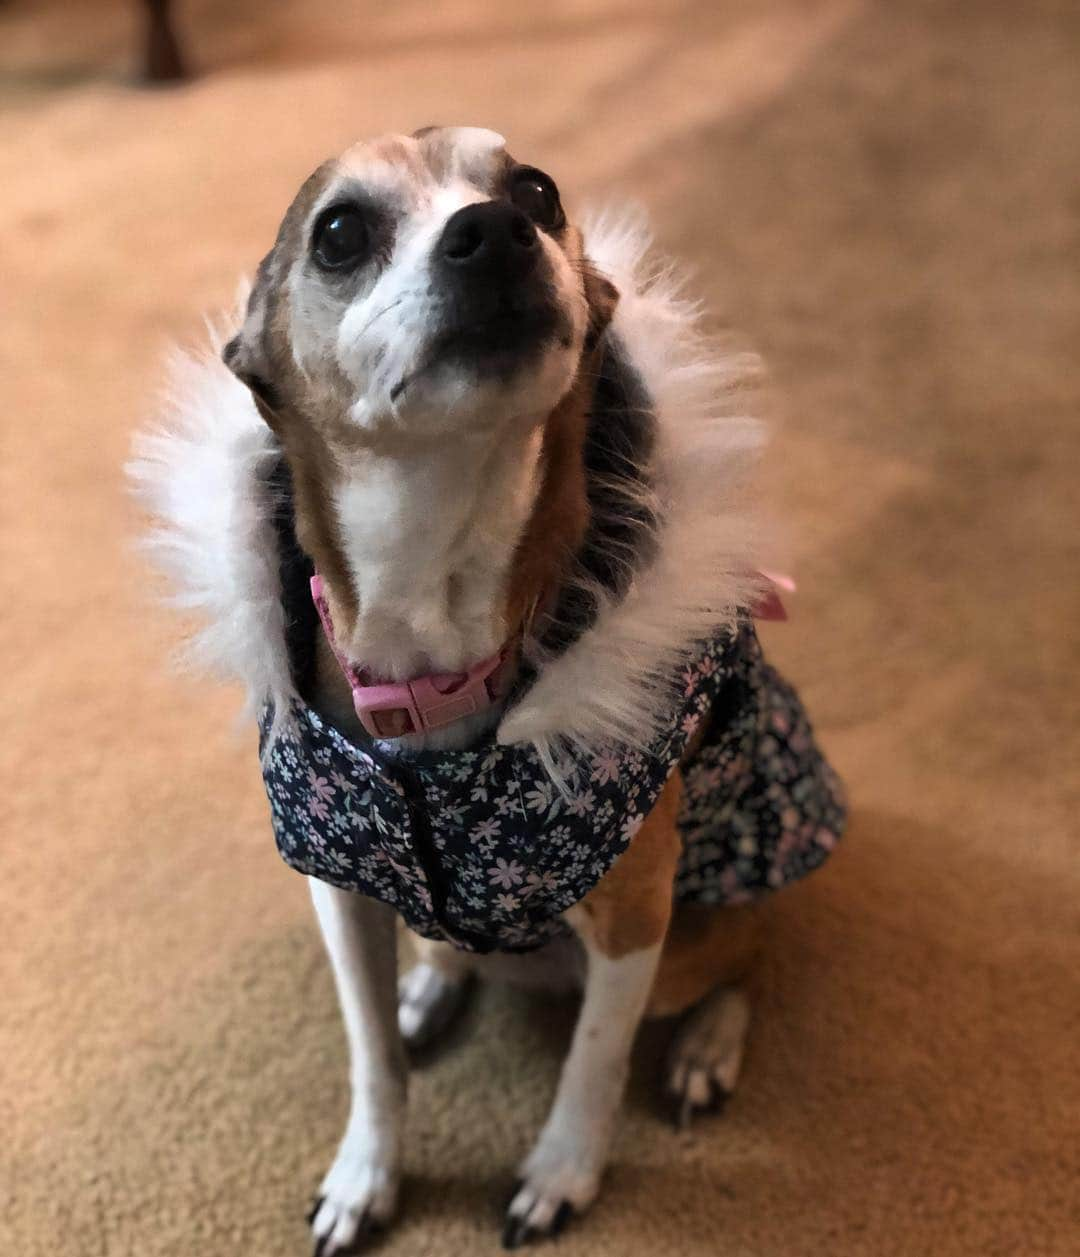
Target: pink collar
393,709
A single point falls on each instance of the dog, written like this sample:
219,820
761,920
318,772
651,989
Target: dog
490,452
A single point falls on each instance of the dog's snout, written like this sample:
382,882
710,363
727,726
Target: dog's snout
492,240
493,284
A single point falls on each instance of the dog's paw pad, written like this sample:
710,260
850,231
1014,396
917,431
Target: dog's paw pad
706,1057
428,1001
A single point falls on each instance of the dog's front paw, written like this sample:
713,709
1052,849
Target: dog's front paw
356,1200
707,1054
556,1183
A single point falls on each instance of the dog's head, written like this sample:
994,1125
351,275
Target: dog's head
419,285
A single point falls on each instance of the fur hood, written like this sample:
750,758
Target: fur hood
202,473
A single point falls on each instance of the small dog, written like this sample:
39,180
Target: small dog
489,450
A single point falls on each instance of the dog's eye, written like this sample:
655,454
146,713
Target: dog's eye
341,239
537,196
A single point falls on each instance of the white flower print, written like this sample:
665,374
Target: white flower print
605,768
581,804
507,805
539,798
631,825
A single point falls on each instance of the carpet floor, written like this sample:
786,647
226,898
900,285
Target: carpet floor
885,197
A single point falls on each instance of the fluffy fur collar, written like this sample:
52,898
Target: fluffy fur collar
202,472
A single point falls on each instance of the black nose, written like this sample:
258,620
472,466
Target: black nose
492,240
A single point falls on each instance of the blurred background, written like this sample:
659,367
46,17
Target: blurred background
885,198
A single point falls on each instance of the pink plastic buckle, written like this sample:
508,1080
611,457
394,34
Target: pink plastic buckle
422,704
427,702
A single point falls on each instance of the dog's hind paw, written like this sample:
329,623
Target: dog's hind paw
354,1204
428,1001
706,1056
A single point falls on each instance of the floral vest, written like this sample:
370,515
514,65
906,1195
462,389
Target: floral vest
481,849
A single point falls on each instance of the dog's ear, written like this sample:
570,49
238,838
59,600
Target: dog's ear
602,297
247,355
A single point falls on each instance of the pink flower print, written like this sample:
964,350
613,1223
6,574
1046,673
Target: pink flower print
825,838
581,804
736,768
507,903
729,883
540,881
485,830
342,783
317,807
690,722
321,787
402,870
791,840
506,874
605,768
709,778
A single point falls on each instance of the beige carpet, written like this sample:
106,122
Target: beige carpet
886,197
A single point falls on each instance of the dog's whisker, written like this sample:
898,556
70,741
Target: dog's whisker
379,314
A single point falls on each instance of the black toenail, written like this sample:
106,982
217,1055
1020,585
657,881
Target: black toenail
515,1233
562,1216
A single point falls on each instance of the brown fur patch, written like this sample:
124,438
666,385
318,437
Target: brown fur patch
630,908
402,151
705,947
560,513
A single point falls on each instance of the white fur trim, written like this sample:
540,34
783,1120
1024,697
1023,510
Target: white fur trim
201,472
615,682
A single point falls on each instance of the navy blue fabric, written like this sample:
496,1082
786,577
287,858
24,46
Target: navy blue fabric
478,847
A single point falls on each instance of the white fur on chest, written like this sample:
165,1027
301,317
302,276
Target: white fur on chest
428,537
